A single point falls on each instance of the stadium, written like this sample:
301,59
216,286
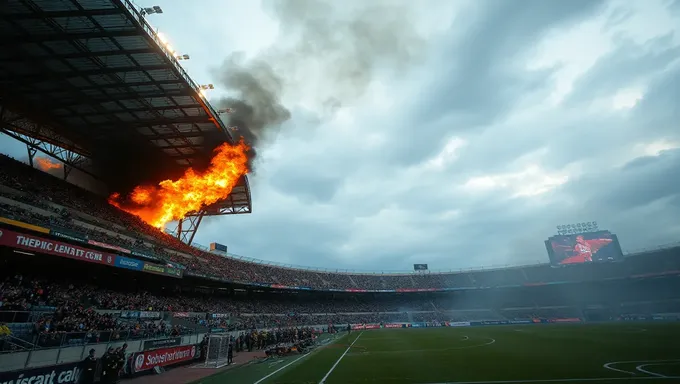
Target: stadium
93,291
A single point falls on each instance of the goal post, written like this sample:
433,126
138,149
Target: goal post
217,351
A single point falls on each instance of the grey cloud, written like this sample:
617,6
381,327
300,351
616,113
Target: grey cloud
674,5
569,135
624,67
617,17
658,109
474,85
640,182
378,210
307,186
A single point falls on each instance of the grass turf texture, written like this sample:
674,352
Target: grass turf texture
532,353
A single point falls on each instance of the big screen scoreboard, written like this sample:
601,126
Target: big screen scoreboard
579,248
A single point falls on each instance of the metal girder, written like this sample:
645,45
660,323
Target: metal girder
69,159
234,210
22,39
22,126
187,227
124,130
90,72
183,156
159,122
157,84
238,201
131,84
80,55
182,146
58,14
174,136
138,110
125,97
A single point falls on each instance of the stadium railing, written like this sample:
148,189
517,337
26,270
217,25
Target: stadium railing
47,340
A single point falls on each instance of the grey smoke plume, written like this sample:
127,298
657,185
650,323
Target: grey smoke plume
327,55
256,104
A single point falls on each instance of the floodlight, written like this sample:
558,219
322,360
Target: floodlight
182,57
152,10
206,86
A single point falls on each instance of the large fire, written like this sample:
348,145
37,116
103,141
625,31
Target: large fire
45,164
172,200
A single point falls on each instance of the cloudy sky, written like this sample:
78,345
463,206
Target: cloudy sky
453,133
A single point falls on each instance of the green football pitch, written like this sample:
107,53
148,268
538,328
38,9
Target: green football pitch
601,353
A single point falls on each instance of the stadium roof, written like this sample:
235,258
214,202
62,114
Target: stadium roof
87,72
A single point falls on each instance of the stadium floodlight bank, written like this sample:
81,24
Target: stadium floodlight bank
217,351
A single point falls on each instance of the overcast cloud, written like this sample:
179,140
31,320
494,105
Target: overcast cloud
514,117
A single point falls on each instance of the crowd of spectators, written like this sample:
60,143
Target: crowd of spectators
65,206
63,313
66,314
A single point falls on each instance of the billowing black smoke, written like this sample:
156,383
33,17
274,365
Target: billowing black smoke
326,56
256,105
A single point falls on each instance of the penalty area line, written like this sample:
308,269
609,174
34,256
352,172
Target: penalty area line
338,361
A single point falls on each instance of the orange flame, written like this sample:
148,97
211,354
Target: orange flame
45,164
172,200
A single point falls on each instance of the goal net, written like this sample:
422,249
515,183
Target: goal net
216,354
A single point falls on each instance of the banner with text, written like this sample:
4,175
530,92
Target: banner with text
458,324
144,361
55,374
365,326
53,247
162,270
128,263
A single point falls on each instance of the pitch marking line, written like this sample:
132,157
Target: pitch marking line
281,369
641,369
560,380
648,362
326,341
338,361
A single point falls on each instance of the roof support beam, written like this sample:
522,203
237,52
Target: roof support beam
160,122
58,14
81,55
112,86
174,136
125,97
92,72
139,110
21,39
